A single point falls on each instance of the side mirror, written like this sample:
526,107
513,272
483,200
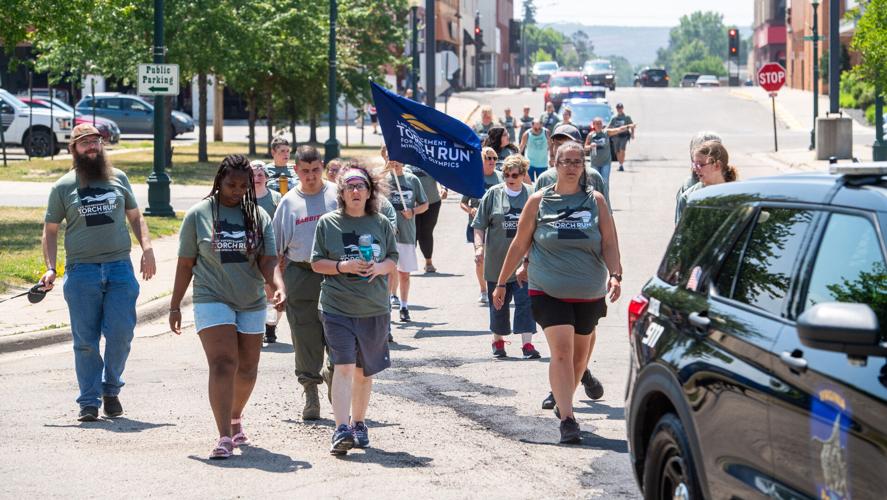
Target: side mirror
842,327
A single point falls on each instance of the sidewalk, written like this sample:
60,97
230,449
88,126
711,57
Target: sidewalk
26,326
794,111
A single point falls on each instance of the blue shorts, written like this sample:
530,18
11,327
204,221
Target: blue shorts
210,314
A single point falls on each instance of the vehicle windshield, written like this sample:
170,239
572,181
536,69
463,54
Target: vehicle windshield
706,77
656,72
13,100
597,66
584,113
546,66
567,81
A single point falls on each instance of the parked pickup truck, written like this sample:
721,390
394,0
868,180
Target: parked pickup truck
40,133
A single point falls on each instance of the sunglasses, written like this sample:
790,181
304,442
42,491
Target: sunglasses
700,165
513,176
491,158
356,187
572,163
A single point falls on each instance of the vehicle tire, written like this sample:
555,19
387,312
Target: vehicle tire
39,143
669,468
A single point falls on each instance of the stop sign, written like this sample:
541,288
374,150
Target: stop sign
771,77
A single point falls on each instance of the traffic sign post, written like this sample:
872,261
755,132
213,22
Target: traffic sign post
159,79
771,77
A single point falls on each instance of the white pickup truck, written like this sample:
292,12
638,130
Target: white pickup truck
33,132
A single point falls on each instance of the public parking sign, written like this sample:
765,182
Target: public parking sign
158,79
771,77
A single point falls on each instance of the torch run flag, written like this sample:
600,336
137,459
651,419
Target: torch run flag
439,144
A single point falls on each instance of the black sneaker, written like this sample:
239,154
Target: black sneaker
112,407
405,316
361,435
570,431
270,334
530,352
557,412
88,414
395,301
621,169
343,440
593,387
499,349
548,403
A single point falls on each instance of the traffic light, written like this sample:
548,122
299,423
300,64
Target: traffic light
733,38
478,33
514,32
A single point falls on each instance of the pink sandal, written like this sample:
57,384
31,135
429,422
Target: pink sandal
224,449
240,438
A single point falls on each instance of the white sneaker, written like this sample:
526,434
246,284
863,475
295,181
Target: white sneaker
482,298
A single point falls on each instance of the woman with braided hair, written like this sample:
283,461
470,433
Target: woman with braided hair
227,245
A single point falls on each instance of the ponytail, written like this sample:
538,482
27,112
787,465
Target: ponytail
730,173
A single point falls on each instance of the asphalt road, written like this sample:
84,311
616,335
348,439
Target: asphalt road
445,421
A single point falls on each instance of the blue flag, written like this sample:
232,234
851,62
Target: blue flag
439,144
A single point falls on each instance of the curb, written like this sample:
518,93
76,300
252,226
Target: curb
147,312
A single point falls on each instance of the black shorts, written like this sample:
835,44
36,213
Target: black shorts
582,316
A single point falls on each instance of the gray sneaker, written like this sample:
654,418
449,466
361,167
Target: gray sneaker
312,403
361,435
343,440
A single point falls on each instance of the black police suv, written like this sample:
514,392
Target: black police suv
758,355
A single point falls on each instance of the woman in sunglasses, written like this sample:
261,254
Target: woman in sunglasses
573,265
354,298
711,165
495,226
469,205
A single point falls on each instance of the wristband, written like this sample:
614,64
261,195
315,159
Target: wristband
501,286
617,277
174,311
337,266
51,269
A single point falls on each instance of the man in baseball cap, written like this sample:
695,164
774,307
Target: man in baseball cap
100,286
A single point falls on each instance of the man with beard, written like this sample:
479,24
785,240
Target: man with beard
100,287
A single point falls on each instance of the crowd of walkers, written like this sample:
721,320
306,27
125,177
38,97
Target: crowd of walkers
333,247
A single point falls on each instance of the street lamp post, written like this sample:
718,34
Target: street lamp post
879,148
815,41
158,181
331,146
430,55
414,47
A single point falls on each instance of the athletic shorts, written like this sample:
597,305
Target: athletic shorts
535,172
361,341
407,262
210,314
582,316
619,143
469,233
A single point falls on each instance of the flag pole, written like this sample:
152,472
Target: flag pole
399,192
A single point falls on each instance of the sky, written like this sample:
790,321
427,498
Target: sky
635,12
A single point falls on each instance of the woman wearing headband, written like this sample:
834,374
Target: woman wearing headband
354,247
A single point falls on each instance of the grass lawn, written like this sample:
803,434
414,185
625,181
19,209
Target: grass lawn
21,255
139,164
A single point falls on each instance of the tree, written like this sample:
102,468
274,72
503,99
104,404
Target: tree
870,41
549,40
529,12
584,46
697,44
624,70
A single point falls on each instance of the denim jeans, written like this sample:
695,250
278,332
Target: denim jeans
500,323
101,301
604,170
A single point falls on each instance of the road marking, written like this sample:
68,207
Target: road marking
782,114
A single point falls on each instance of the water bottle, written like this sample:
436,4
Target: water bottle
365,247
283,184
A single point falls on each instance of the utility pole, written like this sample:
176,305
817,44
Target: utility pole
158,181
879,148
414,49
331,146
430,54
815,40
834,57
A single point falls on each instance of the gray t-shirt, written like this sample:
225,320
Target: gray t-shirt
223,271
269,202
682,201
566,257
600,156
296,219
549,178
387,209
498,214
413,195
96,229
274,173
337,239
428,184
489,181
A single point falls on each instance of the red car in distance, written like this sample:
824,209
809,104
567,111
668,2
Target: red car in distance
561,85
109,130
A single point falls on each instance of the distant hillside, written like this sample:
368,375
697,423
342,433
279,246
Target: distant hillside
637,44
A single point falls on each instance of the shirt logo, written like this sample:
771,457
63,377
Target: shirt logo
97,205
230,242
510,222
573,225
398,203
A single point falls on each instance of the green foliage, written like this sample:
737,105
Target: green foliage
548,40
870,114
697,45
856,92
624,71
584,46
868,288
540,56
870,40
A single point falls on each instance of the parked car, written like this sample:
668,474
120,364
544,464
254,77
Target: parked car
586,110
109,130
708,81
541,72
33,129
689,80
600,72
560,86
651,77
132,114
757,365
